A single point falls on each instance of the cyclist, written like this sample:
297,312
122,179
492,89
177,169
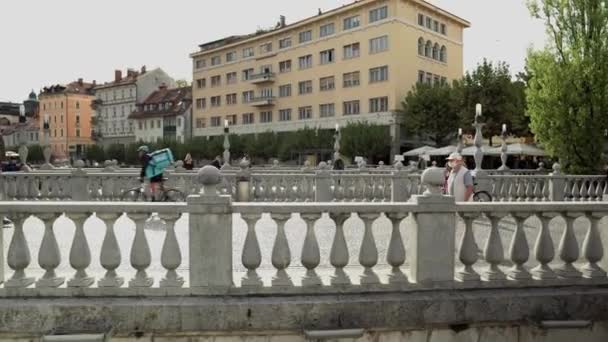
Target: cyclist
144,157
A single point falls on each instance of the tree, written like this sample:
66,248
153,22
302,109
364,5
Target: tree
502,100
367,140
35,154
431,112
96,153
568,90
182,83
116,151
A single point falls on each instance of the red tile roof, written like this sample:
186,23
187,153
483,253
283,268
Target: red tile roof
179,98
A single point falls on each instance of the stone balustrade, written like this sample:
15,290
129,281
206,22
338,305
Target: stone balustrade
426,243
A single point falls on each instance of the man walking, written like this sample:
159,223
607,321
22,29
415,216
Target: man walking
460,180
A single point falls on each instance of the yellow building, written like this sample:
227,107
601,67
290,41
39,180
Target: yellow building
356,62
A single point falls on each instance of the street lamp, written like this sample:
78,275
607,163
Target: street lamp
226,145
478,138
337,137
503,149
460,145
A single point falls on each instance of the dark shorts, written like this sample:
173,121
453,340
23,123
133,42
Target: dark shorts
157,179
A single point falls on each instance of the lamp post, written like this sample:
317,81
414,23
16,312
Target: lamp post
46,151
23,150
478,138
337,137
226,145
503,149
460,144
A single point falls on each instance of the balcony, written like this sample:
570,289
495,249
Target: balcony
266,77
264,101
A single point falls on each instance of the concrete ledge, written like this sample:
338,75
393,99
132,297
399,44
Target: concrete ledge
414,310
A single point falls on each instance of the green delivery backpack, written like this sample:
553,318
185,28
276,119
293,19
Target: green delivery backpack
159,161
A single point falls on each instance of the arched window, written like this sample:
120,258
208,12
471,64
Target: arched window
421,46
427,49
436,51
443,54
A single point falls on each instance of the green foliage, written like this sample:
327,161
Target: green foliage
96,153
35,154
2,149
116,151
431,111
568,88
367,140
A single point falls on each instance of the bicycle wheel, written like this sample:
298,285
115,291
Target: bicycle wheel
482,196
173,195
133,195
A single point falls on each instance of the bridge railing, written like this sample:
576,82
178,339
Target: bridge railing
426,243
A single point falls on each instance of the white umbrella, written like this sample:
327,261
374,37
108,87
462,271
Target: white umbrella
11,154
520,149
487,151
418,151
444,151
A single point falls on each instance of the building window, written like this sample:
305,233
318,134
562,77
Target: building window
378,104
200,63
199,123
231,78
429,23
216,101
429,78
231,56
217,60
305,87
327,83
327,56
285,115
378,44
305,113
248,52
327,110
327,30
443,54
421,76
216,121
265,48
305,62
428,49
216,81
421,19
231,99
61,118
285,43
77,119
201,103
78,133
351,79
379,74
436,51
352,51
266,93
285,90
77,105
231,120
351,22
247,73
378,14
285,66
351,108
421,46
61,103
201,83
305,36
248,119
436,26
444,80
444,30
436,80
141,126
248,96
62,132
265,117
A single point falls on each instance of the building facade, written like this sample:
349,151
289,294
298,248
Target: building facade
68,111
354,63
165,114
116,100
19,122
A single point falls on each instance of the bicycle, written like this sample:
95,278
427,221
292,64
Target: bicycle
166,194
481,196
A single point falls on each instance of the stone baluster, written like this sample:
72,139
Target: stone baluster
605,193
468,250
513,190
521,190
493,252
530,183
593,251
18,256
311,256
80,253
583,191
368,254
110,257
338,188
252,256
538,190
281,254
140,253
34,191
171,256
567,190
568,249
599,191
576,191
338,256
543,249
23,187
106,188
591,191
546,190
395,255
519,250
49,256
399,189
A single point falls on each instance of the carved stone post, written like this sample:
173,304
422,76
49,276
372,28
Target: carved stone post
323,192
556,184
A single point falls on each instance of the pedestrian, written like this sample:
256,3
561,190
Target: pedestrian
460,181
217,162
188,163
338,165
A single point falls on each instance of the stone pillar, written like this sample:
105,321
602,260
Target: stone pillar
79,187
399,184
243,182
395,131
323,191
210,233
556,184
431,245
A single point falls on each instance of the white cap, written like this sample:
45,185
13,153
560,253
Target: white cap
455,156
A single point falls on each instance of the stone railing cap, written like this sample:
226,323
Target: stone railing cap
209,175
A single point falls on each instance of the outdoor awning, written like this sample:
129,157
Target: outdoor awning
520,149
487,151
418,151
443,151
11,154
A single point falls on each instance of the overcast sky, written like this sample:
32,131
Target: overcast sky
46,42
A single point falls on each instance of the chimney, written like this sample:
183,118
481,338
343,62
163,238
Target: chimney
162,86
94,83
80,81
282,18
143,69
117,75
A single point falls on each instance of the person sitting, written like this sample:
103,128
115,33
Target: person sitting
188,163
